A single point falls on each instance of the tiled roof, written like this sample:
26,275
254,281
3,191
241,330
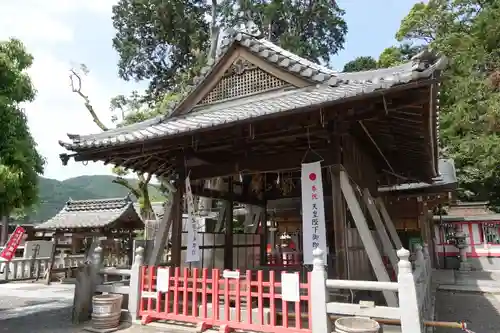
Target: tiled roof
334,88
94,213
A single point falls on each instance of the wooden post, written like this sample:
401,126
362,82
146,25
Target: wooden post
177,222
429,229
339,221
366,237
52,258
408,304
264,235
320,321
379,225
228,230
161,237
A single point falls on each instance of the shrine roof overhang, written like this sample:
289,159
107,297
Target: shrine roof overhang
458,219
345,87
446,182
95,214
410,125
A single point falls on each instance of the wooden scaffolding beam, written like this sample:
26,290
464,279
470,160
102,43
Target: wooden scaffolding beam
366,237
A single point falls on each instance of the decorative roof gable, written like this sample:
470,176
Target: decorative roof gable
246,65
243,78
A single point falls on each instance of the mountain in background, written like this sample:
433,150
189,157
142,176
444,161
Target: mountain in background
54,193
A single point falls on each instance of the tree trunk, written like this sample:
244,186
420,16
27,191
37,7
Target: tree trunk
5,230
147,213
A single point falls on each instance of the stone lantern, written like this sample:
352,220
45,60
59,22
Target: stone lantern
460,241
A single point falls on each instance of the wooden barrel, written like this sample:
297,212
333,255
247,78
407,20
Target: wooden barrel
106,311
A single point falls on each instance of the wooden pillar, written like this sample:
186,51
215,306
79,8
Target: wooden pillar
338,216
52,257
228,230
264,230
432,243
177,224
425,227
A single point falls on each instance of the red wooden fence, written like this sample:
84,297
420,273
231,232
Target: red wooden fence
205,298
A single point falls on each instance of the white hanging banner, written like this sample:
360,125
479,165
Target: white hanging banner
193,248
313,211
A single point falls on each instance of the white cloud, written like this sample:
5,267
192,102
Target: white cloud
48,31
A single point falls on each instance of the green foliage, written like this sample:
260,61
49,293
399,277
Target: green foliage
20,162
165,41
312,29
468,32
391,56
360,64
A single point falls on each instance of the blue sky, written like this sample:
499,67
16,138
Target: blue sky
63,33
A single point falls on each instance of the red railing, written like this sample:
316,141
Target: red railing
203,297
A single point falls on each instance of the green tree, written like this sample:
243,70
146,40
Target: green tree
360,64
468,32
391,56
132,110
20,162
156,40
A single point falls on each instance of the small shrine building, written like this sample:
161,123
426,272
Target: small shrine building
258,115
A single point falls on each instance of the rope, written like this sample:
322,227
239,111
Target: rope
464,327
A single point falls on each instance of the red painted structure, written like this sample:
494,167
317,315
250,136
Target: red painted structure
473,219
199,296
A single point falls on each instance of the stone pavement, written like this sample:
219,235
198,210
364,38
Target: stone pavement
32,307
482,311
473,297
38,308
475,281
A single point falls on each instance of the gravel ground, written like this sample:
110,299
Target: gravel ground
482,311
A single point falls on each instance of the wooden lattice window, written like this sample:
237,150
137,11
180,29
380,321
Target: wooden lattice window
242,79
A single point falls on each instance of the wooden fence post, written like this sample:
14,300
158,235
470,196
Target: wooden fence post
408,303
134,295
318,298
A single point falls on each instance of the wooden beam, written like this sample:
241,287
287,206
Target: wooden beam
366,237
382,233
255,163
388,223
220,195
161,236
